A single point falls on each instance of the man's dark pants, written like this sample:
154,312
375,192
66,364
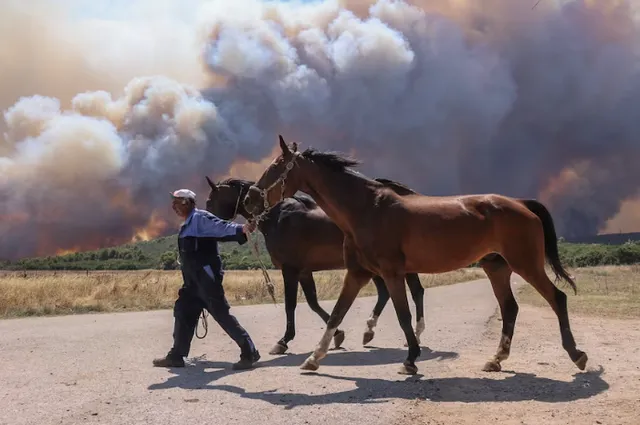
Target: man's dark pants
202,290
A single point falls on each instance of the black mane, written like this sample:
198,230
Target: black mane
305,200
332,160
239,183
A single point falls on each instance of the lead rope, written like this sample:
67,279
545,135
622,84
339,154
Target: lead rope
265,274
205,325
254,245
267,279
203,313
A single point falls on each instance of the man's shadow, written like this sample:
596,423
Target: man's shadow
196,377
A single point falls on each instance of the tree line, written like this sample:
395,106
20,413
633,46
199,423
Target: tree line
161,254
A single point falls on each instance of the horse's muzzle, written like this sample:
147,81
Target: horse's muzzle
253,200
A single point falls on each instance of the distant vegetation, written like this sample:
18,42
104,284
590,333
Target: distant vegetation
586,255
156,254
161,254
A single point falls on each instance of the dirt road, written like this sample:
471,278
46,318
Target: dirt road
96,369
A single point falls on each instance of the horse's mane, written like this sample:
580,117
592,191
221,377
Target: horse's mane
338,162
399,188
238,183
305,200
332,160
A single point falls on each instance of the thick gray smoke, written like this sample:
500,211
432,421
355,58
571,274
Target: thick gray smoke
446,96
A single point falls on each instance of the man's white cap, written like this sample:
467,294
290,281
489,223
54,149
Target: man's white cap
184,193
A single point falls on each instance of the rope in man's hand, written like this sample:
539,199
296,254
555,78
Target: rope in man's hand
205,325
267,279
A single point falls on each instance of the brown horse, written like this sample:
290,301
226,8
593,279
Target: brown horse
390,235
301,239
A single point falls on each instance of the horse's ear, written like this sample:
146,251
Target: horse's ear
283,146
211,184
295,146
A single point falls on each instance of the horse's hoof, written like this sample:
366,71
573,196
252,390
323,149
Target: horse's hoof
408,369
492,366
279,348
367,337
582,361
338,338
310,364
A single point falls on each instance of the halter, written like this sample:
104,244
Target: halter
235,210
265,192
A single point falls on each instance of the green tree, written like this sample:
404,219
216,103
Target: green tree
168,260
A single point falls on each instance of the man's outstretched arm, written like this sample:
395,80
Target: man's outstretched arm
210,226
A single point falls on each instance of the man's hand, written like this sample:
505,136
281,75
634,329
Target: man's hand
249,227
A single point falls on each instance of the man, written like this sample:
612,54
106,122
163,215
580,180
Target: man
202,274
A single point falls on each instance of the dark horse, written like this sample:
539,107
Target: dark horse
388,234
301,239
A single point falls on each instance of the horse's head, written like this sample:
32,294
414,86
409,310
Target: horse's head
225,198
279,181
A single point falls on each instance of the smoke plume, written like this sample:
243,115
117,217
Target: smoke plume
448,97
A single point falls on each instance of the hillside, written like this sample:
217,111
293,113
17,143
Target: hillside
155,254
612,249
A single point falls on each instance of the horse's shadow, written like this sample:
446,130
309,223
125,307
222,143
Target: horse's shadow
514,387
196,377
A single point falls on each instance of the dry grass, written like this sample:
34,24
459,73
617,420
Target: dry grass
606,291
602,291
36,293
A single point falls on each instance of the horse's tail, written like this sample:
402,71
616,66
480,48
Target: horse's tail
550,240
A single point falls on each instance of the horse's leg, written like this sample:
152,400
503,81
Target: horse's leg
529,264
499,273
417,293
354,280
372,321
398,293
290,276
309,288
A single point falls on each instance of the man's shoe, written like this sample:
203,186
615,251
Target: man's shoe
169,361
246,362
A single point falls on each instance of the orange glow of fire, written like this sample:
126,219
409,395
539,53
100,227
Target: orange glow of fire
49,244
154,228
566,181
559,184
67,251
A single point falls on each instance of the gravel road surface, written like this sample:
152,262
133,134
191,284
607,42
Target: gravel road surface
96,369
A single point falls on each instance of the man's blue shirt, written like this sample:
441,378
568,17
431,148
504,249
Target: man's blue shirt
203,224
